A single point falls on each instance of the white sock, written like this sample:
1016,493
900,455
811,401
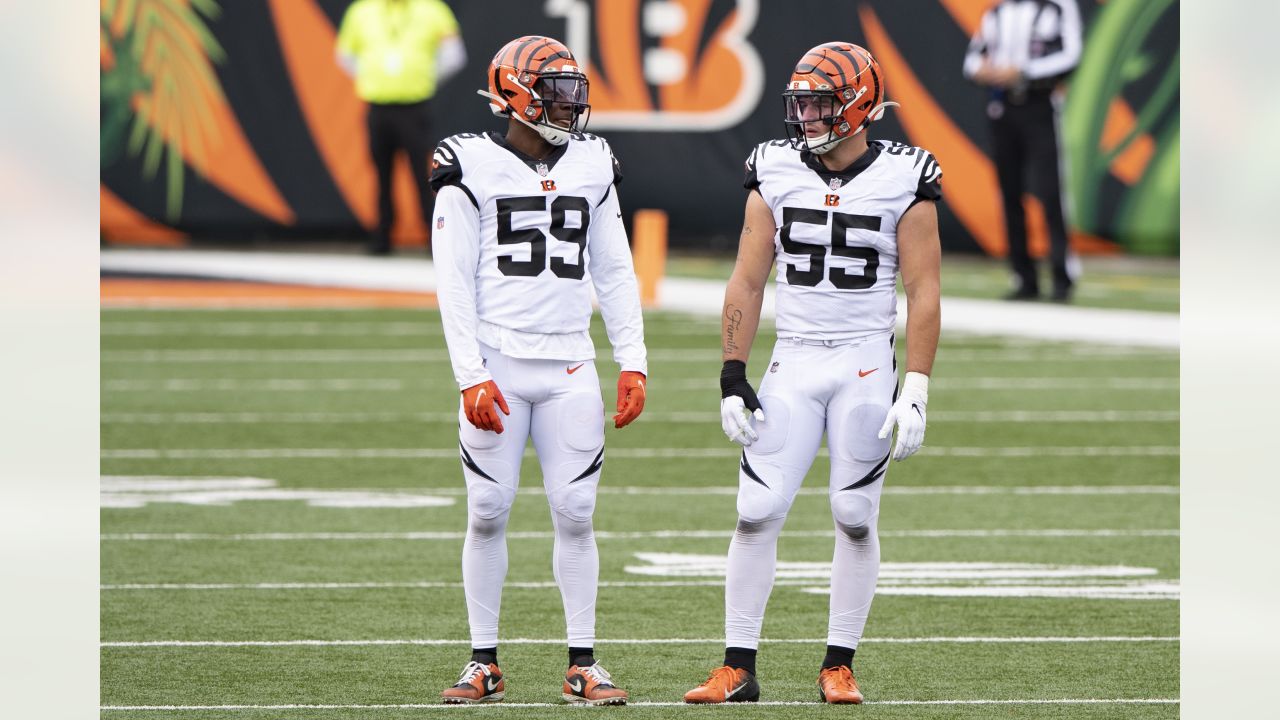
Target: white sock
576,565
484,569
854,571
753,558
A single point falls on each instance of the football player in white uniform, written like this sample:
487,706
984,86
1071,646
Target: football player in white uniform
526,225
841,216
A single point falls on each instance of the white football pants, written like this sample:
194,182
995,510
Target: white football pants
558,404
844,389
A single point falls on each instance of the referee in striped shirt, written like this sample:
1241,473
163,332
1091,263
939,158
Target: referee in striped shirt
1021,52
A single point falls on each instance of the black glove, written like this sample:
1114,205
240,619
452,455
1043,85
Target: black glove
733,381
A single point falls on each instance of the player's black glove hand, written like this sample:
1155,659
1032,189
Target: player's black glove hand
738,404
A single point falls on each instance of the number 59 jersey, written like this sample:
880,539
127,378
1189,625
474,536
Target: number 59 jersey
536,232
836,243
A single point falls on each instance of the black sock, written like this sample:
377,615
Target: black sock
837,656
745,658
582,657
485,656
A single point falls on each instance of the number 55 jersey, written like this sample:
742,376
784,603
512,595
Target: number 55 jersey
837,233
520,243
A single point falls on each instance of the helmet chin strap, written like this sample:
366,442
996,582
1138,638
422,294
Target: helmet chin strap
555,135
832,140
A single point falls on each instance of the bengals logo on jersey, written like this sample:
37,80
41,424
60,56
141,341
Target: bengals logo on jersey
665,64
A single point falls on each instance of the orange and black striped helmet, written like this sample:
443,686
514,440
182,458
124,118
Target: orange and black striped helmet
531,73
835,92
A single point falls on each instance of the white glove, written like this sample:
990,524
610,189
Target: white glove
908,413
735,419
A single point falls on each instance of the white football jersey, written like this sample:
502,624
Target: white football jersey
837,233
534,240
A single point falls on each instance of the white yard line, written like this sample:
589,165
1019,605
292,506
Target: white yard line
670,355
623,535
347,418
174,483
730,707
681,385
899,588
629,453
970,640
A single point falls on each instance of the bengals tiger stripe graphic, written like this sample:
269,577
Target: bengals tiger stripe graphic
699,73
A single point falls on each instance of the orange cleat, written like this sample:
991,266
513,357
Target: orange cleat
836,686
726,684
592,686
478,684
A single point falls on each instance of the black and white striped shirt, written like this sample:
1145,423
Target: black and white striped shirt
1041,38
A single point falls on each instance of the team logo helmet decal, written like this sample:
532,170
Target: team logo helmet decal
534,77
836,90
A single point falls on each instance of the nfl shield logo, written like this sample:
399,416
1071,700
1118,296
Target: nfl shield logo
440,223
543,169
836,183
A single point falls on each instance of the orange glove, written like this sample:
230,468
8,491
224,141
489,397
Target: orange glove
630,398
478,402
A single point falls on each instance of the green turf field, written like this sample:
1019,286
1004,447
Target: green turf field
1030,551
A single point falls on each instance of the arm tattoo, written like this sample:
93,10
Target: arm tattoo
732,322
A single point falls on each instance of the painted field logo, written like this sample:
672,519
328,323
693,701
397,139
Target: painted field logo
946,579
136,492
668,65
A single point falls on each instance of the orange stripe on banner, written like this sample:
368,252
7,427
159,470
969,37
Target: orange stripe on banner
410,229
622,86
327,97
967,13
336,118
120,223
969,178
122,292
229,162
1130,165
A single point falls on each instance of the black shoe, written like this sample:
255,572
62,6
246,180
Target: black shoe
1061,295
1023,294
378,250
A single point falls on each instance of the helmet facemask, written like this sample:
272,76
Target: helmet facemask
815,119
564,97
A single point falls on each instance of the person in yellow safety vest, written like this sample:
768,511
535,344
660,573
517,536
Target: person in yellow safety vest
398,52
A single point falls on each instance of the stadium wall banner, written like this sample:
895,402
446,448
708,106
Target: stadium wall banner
231,121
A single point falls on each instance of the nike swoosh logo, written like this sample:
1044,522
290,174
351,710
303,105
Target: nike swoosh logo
491,683
917,409
576,685
864,373
730,693
478,396
574,369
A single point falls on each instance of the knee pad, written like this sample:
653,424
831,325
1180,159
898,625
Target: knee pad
581,422
576,501
757,503
487,500
487,527
775,428
854,513
860,439
753,528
